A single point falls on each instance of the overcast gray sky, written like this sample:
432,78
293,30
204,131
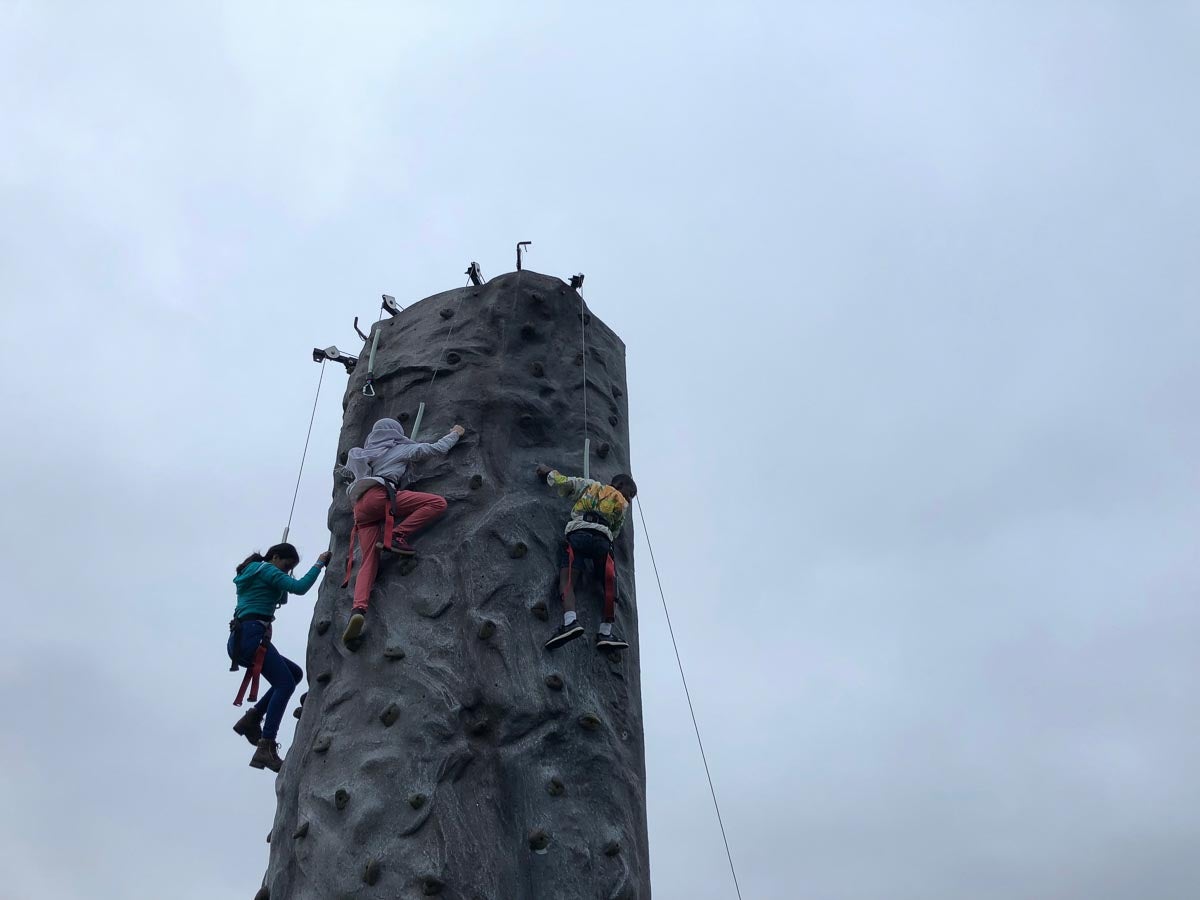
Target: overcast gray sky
909,294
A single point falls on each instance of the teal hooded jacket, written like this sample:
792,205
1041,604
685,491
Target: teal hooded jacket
262,587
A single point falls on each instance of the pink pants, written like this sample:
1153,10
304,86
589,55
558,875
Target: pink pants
413,511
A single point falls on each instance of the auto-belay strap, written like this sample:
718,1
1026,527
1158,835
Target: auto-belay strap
250,680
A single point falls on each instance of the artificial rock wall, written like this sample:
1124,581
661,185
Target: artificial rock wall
450,755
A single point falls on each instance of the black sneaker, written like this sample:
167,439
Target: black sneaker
564,634
610,642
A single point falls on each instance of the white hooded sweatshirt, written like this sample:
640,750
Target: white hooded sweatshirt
389,453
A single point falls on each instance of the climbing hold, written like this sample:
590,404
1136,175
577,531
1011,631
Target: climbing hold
589,721
322,626
303,697
324,678
297,711
602,450
446,313
453,358
416,801
432,886
321,745
616,391
539,611
487,629
372,872
403,417
537,369
554,682
612,848
528,332
480,728
389,715
612,420
341,798
263,894
555,787
268,837
539,841
476,482
408,565
300,832
394,653
518,550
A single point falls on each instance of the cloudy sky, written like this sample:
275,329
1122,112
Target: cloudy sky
909,294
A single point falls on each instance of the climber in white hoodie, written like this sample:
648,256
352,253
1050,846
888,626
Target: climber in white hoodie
386,514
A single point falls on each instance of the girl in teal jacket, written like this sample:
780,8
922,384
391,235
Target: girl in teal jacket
263,584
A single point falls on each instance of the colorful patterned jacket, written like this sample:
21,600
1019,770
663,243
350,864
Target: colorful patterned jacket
600,507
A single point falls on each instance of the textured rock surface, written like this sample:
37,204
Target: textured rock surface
450,755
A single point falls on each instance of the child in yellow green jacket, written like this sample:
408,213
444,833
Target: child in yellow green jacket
597,515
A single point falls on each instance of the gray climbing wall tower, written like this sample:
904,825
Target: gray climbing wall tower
451,755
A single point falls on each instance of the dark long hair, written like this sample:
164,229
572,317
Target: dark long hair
283,551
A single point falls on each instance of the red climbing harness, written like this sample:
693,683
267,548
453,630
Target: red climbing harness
250,680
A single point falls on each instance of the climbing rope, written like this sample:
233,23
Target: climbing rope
304,455
583,317
688,694
446,345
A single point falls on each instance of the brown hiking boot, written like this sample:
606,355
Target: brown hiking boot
267,756
249,726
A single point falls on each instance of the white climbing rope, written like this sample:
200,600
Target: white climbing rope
587,443
438,365
688,694
304,455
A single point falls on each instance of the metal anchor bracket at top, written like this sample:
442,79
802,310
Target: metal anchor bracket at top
333,354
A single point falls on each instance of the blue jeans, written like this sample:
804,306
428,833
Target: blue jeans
281,673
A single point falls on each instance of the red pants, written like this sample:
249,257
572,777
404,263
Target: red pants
413,511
